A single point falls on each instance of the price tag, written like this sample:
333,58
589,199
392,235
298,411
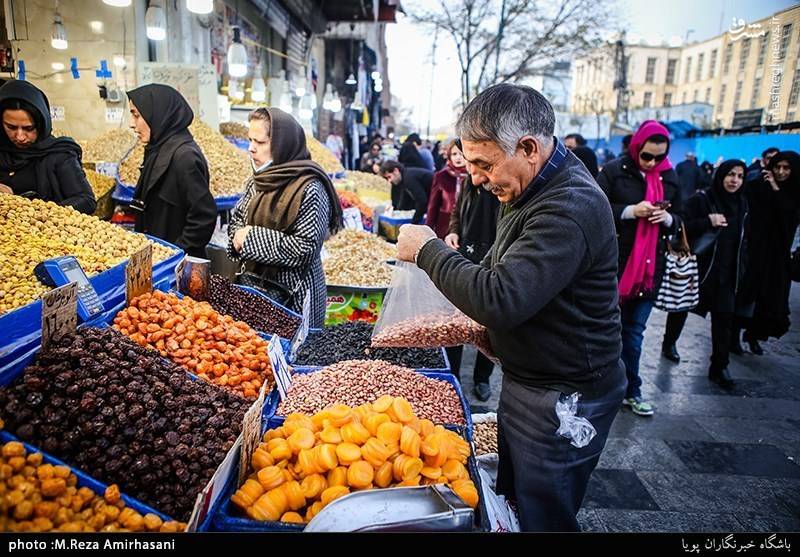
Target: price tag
251,434
139,273
57,113
59,312
301,334
107,168
280,369
352,218
114,115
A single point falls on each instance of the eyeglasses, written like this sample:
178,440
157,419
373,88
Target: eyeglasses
647,157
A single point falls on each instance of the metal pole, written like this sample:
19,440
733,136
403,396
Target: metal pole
433,74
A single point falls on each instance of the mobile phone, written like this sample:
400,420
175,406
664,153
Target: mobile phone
663,204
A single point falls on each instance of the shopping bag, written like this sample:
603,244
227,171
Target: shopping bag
416,314
680,286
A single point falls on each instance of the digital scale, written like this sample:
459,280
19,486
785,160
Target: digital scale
64,270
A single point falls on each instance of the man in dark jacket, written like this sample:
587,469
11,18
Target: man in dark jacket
547,293
690,176
755,170
577,144
410,188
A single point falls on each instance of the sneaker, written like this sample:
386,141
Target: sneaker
483,391
639,406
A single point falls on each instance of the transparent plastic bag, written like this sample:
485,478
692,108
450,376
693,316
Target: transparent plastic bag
416,315
578,430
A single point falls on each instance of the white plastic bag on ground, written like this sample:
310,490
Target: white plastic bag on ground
500,514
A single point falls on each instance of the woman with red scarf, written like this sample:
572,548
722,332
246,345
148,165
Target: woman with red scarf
446,186
643,190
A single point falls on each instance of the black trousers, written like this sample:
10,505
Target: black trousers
723,334
483,365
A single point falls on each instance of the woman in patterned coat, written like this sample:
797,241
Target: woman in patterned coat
288,209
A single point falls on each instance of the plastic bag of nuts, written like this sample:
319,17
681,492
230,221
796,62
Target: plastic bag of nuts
416,314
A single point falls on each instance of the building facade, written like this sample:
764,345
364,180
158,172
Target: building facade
753,65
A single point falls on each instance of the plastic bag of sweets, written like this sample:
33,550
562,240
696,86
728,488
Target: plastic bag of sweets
416,314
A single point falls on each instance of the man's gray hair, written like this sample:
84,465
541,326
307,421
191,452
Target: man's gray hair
505,113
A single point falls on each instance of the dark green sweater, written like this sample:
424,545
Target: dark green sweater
547,291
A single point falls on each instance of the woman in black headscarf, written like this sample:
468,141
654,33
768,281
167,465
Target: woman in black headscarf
775,203
33,163
172,198
717,224
409,152
288,209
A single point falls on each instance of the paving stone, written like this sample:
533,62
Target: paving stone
639,454
735,459
750,430
589,521
655,521
760,523
617,489
660,426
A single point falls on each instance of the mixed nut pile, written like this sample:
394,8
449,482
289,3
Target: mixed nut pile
358,258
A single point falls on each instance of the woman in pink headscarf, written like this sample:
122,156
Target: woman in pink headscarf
643,190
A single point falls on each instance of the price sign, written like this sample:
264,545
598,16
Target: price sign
114,115
301,334
251,433
280,369
139,273
59,312
57,114
106,168
352,219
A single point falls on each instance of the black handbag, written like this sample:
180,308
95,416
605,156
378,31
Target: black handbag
273,289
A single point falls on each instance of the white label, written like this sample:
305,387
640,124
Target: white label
302,331
107,168
280,369
57,113
352,219
114,115
139,273
251,434
59,312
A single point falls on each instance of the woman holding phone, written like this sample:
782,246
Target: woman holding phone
643,190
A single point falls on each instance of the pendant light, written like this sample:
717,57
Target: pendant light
327,99
258,90
201,7
237,55
58,39
155,21
118,3
351,79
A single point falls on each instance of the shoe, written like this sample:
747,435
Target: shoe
670,352
722,378
755,347
483,391
639,406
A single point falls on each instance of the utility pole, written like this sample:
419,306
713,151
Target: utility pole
433,75
621,81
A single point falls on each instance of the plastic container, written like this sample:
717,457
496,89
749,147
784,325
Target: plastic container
123,195
273,400
85,480
228,518
389,227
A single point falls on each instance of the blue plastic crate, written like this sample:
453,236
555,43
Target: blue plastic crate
123,195
85,480
273,400
239,142
229,519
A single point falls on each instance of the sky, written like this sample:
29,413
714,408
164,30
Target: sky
429,91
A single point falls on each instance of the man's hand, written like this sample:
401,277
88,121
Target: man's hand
5,189
452,240
240,237
411,239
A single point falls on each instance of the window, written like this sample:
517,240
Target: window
763,42
651,70
700,58
795,88
648,99
786,38
667,99
696,95
737,97
712,64
708,95
745,54
726,60
722,91
671,67
756,92
688,69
